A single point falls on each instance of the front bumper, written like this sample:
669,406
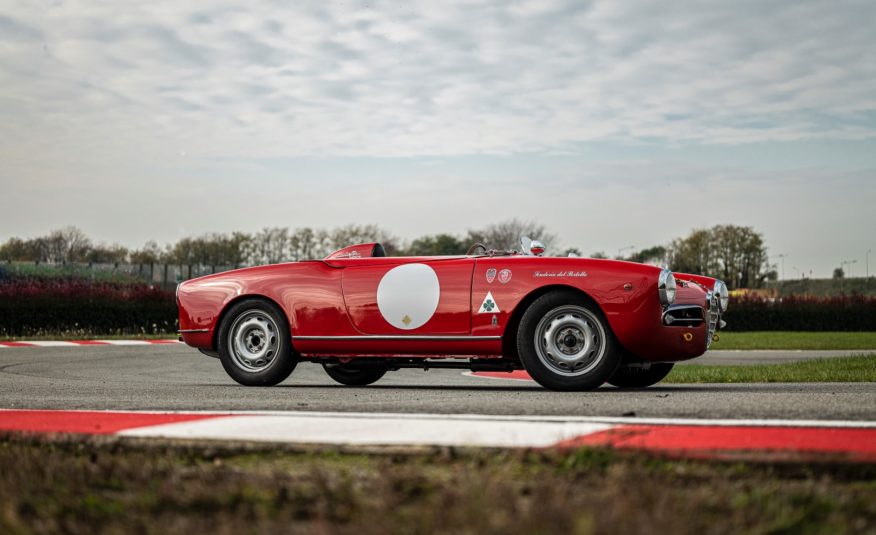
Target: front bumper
681,331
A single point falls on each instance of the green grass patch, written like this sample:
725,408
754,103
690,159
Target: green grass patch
795,340
855,369
112,486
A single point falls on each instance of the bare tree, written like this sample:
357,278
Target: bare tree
341,237
307,244
68,244
107,254
269,246
506,235
150,253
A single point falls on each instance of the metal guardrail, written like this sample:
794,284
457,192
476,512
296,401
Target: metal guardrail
165,275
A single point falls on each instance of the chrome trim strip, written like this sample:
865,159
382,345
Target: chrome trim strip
713,316
194,331
401,337
671,308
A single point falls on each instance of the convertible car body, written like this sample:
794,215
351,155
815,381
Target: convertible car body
572,323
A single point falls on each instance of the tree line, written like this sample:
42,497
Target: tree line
267,246
736,254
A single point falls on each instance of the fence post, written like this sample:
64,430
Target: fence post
164,281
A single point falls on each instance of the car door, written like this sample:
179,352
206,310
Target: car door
428,296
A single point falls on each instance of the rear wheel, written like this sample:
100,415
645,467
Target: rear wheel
565,343
255,344
640,375
349,375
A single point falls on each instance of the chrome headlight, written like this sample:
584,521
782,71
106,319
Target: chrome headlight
720,290
666,287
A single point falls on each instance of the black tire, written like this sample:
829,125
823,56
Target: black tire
639,377
349,375
566,311
260,326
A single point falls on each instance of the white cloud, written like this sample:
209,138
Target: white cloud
104,79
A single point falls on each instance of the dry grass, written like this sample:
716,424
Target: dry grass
113,486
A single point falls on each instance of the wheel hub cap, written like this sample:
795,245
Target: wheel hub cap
569,340
254,341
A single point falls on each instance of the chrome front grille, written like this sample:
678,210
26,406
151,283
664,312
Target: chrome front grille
713,315
684,316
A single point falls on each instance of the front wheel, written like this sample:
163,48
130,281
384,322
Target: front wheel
255,344
565,343
640,376
351,375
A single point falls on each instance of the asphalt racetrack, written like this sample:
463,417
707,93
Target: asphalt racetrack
175,377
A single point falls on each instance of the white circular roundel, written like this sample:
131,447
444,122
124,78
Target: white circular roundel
407,295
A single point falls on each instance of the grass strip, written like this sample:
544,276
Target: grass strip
67,336
795,340
109,486
855,369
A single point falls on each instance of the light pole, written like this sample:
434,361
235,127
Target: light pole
848,263
782,256
622,249
868,262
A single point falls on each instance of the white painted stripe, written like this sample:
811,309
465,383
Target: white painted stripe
607,420
79,343
47,343
383,430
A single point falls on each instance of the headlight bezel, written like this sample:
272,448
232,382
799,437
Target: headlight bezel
667,287
723,294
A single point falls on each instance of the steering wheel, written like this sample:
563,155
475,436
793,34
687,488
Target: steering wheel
475,247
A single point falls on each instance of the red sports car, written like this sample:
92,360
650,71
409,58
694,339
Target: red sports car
572,323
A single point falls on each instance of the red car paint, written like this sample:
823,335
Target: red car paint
332,306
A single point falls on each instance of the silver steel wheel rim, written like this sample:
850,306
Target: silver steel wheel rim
254,341
570,341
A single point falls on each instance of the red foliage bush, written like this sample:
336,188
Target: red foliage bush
800,313
43,306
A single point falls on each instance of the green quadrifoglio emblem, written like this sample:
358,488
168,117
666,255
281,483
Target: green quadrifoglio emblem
489,305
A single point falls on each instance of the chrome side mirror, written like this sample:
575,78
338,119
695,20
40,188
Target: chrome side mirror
531,247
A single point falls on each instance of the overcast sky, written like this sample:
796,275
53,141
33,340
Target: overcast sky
613,123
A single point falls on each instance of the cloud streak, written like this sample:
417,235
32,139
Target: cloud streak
269,79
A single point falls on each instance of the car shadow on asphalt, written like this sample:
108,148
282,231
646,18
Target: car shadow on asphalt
604,390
